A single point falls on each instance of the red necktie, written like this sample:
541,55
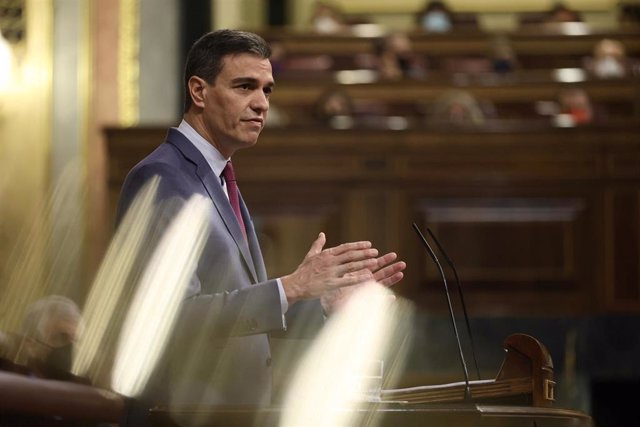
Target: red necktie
232,190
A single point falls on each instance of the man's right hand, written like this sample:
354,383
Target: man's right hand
323,271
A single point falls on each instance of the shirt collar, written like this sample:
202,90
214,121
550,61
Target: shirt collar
214,158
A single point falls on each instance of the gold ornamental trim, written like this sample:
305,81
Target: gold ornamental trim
129,62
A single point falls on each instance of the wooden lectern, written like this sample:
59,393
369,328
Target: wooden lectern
522,394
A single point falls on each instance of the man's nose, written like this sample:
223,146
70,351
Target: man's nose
260,102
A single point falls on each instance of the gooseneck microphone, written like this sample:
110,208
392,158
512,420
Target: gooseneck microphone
464,307
467,390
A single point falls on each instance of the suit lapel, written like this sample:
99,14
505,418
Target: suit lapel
212,184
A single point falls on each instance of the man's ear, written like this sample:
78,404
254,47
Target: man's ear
197,89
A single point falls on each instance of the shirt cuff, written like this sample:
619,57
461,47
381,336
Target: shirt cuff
284,304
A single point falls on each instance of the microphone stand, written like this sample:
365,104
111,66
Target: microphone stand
464,306
467,390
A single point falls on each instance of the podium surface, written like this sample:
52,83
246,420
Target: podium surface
386,415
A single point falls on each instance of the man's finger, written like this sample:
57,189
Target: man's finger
391,274
351,246
352,267
386,259
391,280
358,255
317,245
354,279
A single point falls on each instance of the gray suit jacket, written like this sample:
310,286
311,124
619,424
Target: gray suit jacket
219,351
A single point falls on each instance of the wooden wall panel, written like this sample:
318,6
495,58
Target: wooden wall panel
525,255
623,223
288,219
508,240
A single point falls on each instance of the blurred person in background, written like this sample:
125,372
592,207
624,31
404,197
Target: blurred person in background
326,18
629,13
395,58
609,60
456,107
435,17
562,13
576,105
334,102
502,55
278,57
51,326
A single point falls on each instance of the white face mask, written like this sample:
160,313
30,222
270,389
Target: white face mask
607,68
326,24
436,21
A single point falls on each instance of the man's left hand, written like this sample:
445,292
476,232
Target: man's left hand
387,273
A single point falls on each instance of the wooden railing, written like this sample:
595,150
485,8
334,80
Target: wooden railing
539,47
27,400
510,97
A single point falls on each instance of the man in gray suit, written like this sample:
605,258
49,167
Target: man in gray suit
231,306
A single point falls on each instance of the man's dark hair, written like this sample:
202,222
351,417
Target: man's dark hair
206,56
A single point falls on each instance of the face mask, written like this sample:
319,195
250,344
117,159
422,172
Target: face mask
502,65
404,63
59,358
437,22
607,68
326,24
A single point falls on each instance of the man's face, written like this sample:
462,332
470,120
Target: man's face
236,104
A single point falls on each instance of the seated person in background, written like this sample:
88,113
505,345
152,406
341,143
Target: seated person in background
503,57
326,18
561,13
278,57
575,105
335,108
395,58
457,107
50,327
629,14
284,64
435,17
332,103
609,60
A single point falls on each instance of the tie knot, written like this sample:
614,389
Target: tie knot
228,173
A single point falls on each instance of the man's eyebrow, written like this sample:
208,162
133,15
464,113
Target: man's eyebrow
239,80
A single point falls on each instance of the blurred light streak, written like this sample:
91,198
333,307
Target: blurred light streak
158,297
331,382
111,278
42,260
6,63
67,225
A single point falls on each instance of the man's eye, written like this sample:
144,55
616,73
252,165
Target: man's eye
268,91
